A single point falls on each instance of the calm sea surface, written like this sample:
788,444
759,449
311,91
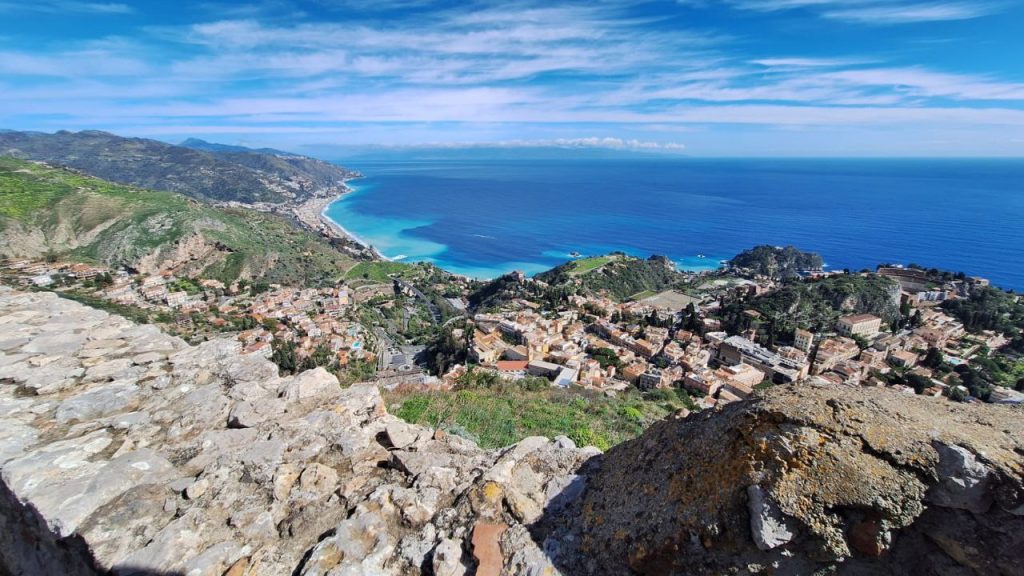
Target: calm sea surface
485,218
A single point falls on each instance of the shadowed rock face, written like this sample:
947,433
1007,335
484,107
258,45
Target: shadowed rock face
124,450
861,479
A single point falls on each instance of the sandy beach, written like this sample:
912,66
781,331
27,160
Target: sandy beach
312,214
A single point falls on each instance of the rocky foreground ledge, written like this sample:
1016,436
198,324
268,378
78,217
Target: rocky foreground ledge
125,450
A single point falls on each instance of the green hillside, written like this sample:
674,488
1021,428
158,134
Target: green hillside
46,210
246,177
777,262
817,303
616,275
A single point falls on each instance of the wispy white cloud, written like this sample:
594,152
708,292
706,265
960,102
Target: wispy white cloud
796,63
66,6
911,13
551,71
485,45
591,142
71,64
879,11
921,82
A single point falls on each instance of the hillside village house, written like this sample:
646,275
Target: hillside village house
738,350
803,340
865,325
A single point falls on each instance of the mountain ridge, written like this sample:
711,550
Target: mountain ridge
251,177
48,210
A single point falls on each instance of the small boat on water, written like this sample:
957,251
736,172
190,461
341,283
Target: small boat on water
701,256
575,254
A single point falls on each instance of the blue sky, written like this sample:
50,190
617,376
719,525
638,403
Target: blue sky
700,77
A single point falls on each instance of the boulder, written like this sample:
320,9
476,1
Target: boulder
310,385
964,482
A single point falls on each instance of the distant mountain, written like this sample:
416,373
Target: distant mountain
246,176
199,144
47,210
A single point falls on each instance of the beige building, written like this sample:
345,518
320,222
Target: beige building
859,325
903,358
740,379
832,351
803,340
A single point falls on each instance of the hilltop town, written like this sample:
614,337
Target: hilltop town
217,385
703,341
673,340
598,348
241,454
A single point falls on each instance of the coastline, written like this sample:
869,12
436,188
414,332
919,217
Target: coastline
313,213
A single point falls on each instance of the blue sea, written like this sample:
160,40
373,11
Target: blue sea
483,218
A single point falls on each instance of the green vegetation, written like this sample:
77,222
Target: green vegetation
584,265
503,413
247,176
285,355
605,357
379,272
776,262
814,304
45,211
445,350
619,277
137,315
998,370
642,295
988,308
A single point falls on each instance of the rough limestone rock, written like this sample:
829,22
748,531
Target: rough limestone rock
806,478
965,481
126,451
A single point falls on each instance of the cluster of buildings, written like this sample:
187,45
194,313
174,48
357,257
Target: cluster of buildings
42,274
310,318
594,342
713,365
609,351
526,342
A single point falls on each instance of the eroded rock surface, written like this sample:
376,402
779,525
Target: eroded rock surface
856,480
125,451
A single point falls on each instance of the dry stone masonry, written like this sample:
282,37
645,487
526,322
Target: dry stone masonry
123,450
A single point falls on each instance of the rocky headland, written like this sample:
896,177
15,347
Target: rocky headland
123,450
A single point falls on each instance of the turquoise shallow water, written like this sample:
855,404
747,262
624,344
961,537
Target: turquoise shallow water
484,218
